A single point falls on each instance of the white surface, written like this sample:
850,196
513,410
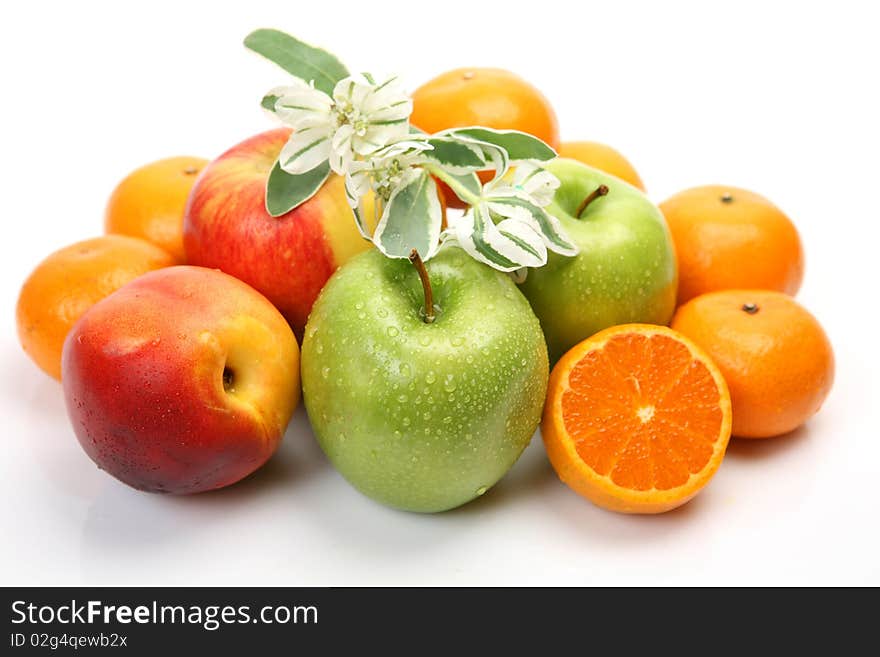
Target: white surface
783,101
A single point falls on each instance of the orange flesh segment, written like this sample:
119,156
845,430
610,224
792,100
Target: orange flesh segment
643,411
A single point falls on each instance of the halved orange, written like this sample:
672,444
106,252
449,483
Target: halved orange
637,419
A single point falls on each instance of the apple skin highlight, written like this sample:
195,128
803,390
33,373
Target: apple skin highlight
286,258
143,375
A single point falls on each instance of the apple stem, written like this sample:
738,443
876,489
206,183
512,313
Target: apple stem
419,264
601,190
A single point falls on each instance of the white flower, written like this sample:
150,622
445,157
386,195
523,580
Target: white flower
360,118
384,170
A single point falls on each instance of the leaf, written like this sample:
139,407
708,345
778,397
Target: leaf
491,152
471,183
519,145
507,247
546,225
297,58
411,219
269,101
285,191
455,156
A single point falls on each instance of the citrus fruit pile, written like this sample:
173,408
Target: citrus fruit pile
668,328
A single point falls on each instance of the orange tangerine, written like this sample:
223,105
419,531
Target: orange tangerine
637,419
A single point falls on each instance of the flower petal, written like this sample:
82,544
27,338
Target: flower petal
357,184
378,136
352,89
305,150
341,155
304,107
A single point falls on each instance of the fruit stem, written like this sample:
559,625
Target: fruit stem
601,190
419,264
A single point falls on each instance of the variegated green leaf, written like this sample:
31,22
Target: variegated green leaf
297,58
547,226
285,191
464,185
495,156
412,218
455,156
507,247
518,145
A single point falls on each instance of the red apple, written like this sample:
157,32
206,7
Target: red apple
181,381
287,258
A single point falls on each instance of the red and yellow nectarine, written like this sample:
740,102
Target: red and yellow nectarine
182,381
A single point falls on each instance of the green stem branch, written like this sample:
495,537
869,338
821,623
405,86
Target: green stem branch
460,190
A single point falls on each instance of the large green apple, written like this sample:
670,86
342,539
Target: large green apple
625,271
423,416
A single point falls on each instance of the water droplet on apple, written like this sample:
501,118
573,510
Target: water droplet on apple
392,331
382,312
425,340
319,348
449,382
359,305
402,398
325,372
447,419
405,370
405,421
457,342
482,489
430,377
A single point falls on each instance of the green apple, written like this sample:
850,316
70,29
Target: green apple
625,271
423,416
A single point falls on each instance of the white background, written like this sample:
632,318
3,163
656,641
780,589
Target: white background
779,98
